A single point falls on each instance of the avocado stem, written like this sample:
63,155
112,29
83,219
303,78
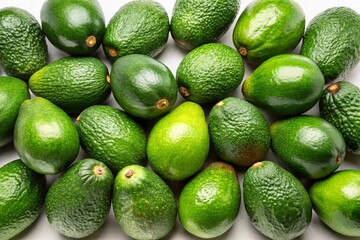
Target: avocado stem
78,118
257,164
243,51
112,52
108,79
339,159
184,92
90,41
162,104
333,88
220,104
99,170
129,173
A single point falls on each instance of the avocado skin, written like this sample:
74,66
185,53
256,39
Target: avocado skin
67,24
139,82
13,92
143,204
267,189
22,194
332,41
111,136
45,137
239,133
194,23
210,202
140,26
23,48
267,28
340,105
72,83
78,202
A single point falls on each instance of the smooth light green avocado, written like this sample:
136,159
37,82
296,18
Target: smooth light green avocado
210,202
332,41
276,202
336,201
194,23
140,26
340,105
144,205
75,27
209,73
78,202
45,136
143,86
22,193
23,48
13,92
239,132
267,28
309,146
111,136
287,84
179,142
72,83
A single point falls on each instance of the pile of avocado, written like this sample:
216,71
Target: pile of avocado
185,130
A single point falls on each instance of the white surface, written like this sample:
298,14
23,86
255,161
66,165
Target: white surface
172,56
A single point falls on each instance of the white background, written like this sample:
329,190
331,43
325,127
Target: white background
172,56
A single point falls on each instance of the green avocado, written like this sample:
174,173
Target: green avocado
78,202
309,146
45,136
239,132
111,136
267,28
143,204
75,27
143,86
340,105
194,23
138,27
13,92
210,202
332,41
22,194
72,83
276,202
23,48
287,84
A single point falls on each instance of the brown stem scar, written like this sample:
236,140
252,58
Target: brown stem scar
129,173
91,41
184,92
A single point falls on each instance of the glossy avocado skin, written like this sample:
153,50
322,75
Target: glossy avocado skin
68,25
22,194
267,28
340,105
332,41
23,48
13,92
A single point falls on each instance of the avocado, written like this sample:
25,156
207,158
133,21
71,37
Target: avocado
23,48
209,73
267,28
239,132
72,83
111,136
194,23
210,202
340,105
22,194
309,146
332,40
287,84
45,137
276,202
13,92
179,142
75,27
78,202
335,200
143,204
143,86
140,26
